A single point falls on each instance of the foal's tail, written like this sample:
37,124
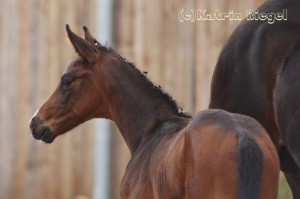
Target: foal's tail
250,167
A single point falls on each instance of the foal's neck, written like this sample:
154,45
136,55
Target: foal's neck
136,105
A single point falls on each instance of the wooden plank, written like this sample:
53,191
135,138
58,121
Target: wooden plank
168,38
139,10
123,28
22,133
184,59
152,54
190,64
8,87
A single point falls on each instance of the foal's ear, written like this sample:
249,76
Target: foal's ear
90,38
84,48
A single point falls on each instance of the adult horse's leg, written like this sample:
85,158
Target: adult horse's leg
294,183
287,110
287,164
291,171
290,160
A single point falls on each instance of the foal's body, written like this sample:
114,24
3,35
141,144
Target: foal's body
202,160
213,155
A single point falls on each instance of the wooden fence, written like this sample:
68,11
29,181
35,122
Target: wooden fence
180,56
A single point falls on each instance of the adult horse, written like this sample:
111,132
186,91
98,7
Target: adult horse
213,155
257,74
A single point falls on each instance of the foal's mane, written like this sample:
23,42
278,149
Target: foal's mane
141,76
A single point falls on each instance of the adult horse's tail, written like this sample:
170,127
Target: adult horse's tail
250,167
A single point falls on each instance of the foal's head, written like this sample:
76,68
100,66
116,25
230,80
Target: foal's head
76,99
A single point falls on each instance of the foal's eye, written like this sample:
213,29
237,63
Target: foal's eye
65,83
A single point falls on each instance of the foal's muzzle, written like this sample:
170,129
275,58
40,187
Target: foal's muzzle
40,131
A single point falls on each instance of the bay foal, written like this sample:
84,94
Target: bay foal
213,155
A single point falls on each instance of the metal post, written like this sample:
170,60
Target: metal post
104,20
